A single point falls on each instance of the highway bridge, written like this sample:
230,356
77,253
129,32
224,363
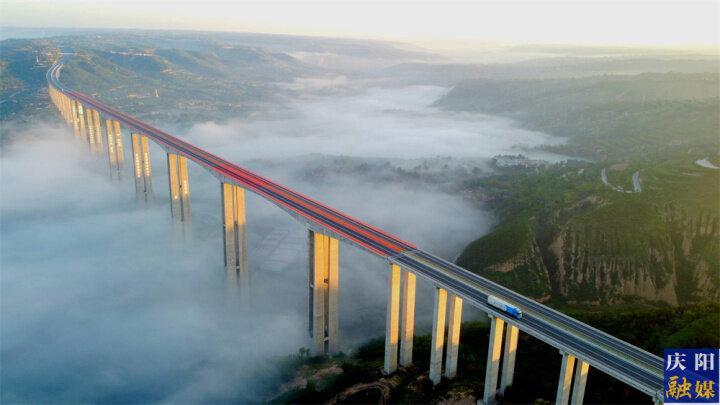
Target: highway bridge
581,346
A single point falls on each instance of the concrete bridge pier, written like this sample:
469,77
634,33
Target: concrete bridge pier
65,104
578,391
508,369
565,380
115,147
407,318
81,122
76,118
90,125
99,147
573,373
438,335
493,359
179,187
451,316
496,348
94,131
453,338
60,102
53,98
142,167
400,320
323,292
234,237
392,321
68,109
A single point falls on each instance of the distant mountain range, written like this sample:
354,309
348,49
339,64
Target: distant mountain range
181,75
450,74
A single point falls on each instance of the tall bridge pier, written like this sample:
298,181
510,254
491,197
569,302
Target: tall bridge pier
407,318
76,118
99,147
323,292
94,131
234,233
400,319
115,147
453,335
65,105
90,129
573,374
392,321
81,122
510,349
493,359
438,334
142,167
579,344
450,317
179,187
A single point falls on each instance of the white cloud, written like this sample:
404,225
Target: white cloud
105,300
376,122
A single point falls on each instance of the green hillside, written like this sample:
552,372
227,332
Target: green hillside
565,235
23,64
139,76
604,117
180,84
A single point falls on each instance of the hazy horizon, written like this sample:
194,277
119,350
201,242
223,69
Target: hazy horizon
638,23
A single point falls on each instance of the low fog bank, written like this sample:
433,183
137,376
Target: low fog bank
386,122
106,300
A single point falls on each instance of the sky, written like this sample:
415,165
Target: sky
611,22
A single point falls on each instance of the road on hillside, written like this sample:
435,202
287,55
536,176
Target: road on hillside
636,182
637,185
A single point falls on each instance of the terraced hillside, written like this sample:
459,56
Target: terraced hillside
638,221
566,237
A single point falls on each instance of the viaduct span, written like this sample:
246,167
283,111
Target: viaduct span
581,346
